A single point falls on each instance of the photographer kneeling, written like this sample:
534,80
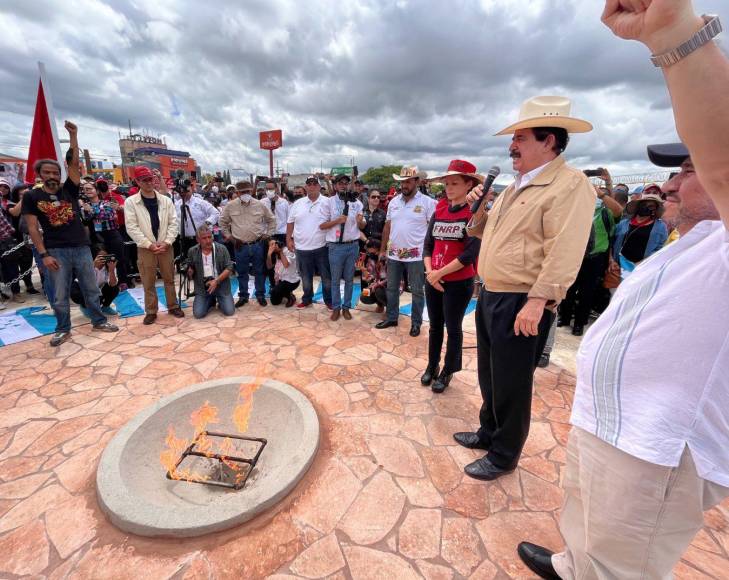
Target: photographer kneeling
106,279
286,276
210,266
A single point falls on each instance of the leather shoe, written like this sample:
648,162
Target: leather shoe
485,470
562,322
335,315
262,301
430,373
415,330
543,361
470,440
538,560
346,314
177,312
578,330
149,319
386,324
241,302
441,382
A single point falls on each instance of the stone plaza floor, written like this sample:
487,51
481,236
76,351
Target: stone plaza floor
386,497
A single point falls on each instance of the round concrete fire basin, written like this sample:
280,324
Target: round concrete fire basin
136,494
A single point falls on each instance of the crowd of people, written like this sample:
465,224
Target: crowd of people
647,452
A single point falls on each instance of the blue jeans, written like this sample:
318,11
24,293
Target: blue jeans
202,303
47,281
74,263
416,279
243,257
309,261
342,259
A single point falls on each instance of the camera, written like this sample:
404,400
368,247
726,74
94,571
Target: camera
181,184
350,196
594,172
106,258
84,198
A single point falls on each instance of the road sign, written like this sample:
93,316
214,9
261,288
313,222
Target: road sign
271,140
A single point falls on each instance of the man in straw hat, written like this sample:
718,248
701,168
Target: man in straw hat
408,216
647,453
534,239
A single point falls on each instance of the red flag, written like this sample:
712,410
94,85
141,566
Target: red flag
43,139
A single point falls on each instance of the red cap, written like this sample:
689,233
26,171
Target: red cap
141,172
101,180
460,166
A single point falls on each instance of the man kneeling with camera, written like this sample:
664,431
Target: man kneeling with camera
210,266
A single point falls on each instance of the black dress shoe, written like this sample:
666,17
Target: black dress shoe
415,330
441,382
562,322
386,324
538,560
543,361
485,470
470,440
578,330
241,302
262,301
430,373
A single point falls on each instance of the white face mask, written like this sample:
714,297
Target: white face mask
270,193
245,198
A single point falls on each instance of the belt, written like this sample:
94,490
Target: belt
346,242
238,243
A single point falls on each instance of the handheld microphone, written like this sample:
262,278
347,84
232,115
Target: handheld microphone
493,174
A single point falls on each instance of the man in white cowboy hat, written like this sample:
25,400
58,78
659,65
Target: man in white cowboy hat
647,454
534,239
408,215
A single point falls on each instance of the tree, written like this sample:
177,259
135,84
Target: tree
380,177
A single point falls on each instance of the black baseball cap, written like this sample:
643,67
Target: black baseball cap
312,179
668,154
339,178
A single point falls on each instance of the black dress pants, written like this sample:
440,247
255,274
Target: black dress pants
506,365
447,309
114,244
581,296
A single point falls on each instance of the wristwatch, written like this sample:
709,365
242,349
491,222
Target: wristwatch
44,255
711,28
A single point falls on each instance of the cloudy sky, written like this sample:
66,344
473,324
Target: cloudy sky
380,81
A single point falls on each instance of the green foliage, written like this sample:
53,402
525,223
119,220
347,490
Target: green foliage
380,177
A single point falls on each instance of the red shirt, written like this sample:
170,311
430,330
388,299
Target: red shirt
447,240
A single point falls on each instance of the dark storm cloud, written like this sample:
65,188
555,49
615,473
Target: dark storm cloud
383,81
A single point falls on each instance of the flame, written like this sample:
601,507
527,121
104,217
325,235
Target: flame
242,411
200,418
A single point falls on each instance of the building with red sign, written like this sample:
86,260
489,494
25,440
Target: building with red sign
153,153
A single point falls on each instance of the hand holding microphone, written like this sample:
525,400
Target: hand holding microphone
475,197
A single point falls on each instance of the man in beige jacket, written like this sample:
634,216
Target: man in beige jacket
151,221
534,239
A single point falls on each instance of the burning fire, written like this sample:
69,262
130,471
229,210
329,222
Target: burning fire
200,418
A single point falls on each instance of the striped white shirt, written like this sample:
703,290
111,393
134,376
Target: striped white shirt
653,371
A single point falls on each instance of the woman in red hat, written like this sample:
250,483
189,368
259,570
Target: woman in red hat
449,255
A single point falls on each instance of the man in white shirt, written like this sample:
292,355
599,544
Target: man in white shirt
198,212
279,206
408,216
308,240
343,221
648,450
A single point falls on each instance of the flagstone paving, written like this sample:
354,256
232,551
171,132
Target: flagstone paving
386,497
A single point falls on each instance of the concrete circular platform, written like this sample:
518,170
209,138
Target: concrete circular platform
135,494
